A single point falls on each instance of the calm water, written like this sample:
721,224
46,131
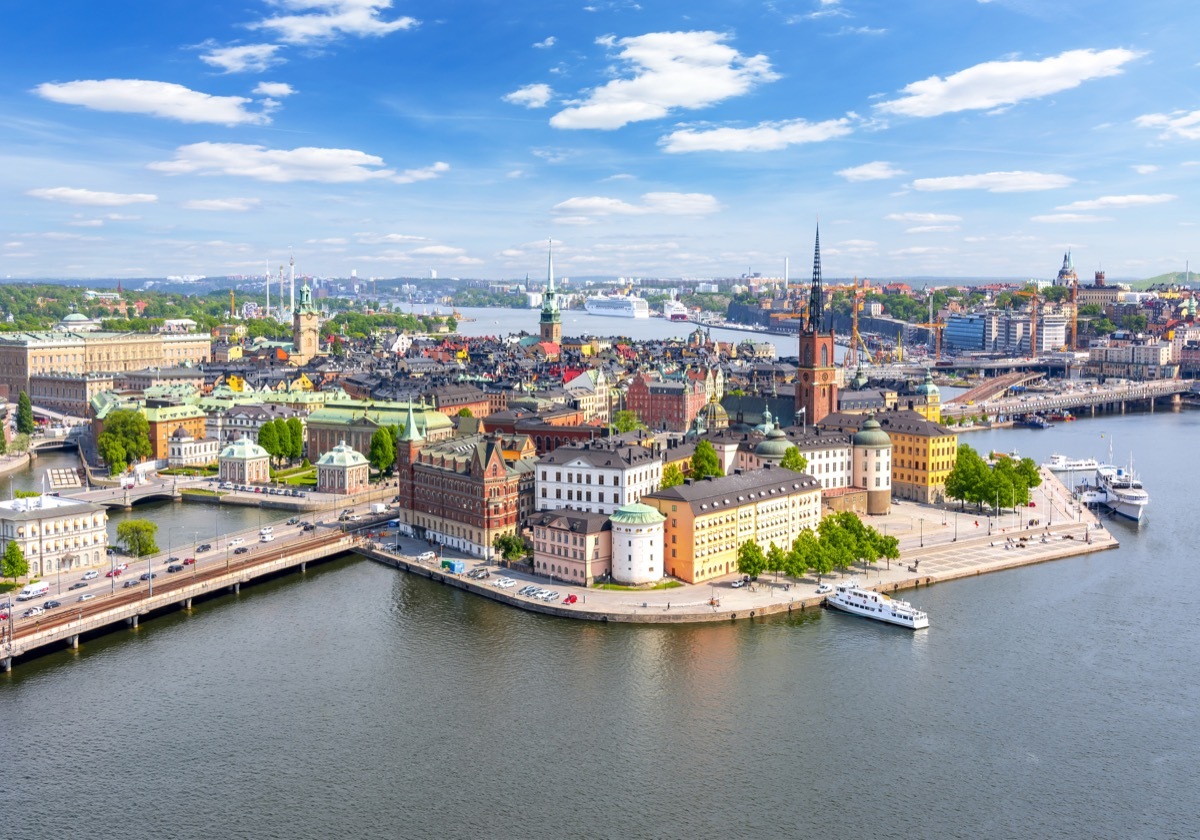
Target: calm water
1053,701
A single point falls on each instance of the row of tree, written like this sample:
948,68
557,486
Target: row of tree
283,439
841,539
1005,481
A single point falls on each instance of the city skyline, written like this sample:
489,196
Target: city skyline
395,139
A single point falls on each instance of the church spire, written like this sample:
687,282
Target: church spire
815,301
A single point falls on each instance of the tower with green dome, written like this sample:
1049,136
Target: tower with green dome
550,325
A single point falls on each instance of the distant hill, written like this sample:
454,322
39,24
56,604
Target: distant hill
1171,277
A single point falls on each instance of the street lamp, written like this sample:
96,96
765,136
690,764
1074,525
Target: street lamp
922,532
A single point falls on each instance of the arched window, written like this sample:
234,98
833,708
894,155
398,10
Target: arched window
824,357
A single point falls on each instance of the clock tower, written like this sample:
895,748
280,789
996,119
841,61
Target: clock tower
817,375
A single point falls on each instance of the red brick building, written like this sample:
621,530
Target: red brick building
666,405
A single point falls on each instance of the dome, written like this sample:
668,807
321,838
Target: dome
244,449
872,435
341,456
767,424
927,388
773,447
860,381
715,416
75,318
637,514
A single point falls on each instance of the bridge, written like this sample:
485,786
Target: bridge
214,574
162,489
1114,398
992,388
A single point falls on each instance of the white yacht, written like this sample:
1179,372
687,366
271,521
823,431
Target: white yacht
1122,491
870,604
617,305
1061,463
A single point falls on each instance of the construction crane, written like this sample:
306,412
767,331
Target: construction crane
937,327
232,311
1075,315
857,347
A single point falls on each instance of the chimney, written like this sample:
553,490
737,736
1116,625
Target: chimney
689,481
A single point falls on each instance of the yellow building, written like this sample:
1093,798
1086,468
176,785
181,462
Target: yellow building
707,520
923,452
925,399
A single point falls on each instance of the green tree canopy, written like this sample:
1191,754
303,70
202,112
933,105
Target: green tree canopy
295,438
627,421
793,460
510,546
125,439
705,461
25,424
268,439
672,476
465,412
137,535
750,559
382,453
13,561
776,560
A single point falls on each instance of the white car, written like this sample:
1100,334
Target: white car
824,589
236,541
91,574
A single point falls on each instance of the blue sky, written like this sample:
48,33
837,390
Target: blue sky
698,139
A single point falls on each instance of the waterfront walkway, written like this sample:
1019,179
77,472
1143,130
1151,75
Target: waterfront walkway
935,544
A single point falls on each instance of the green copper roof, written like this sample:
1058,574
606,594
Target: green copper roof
637,514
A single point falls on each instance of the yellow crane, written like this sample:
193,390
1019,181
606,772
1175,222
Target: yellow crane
858,348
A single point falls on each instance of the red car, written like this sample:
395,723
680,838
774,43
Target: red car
570,599
187,561
112,573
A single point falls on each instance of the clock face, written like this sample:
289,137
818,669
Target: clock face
824,377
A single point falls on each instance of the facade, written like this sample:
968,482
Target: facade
1138,360
599,476
666,405
818,376
306,330
68,393
637,544
354,422
140,380
183,450
923,452
244,462
706,521
248,420
572,546
342,470
55,534
872,458
165,420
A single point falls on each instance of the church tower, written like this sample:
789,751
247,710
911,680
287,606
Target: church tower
817,374
551,321
305,329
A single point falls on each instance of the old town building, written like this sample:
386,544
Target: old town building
55,534
342,470
244,462
671,405
599,475
572,546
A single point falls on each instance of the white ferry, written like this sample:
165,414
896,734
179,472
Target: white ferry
1061,463
1123,492
673,310
870,604
617,306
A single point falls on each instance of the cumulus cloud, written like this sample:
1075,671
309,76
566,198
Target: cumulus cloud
1145,168
250,58
229,205
157,99
993,84
324,20
996,182
437,251
655,203
767,136
1072,218
924,218
71,195
1109,202
386,238
666,70
876,170
546,43
1184,125
531,96
275,90
328,166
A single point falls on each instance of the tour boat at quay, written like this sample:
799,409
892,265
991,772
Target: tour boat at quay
1061,463
867,603
619,306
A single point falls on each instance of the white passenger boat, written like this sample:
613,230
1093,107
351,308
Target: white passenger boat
1123,492
870,604
619,306
673,310
1061,463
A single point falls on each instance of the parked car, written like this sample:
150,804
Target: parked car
824,589
738,584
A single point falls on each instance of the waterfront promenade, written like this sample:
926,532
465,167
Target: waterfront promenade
936,545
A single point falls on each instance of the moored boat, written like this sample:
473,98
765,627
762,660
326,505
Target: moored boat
850,597
1061,463
617,305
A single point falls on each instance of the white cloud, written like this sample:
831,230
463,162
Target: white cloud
767,136
996,182
666,70
253,58
328,166
1068,218
333,240
437,251
275,90
656,203
1182,124
231,205
1145,168
386,238
545,44
877,170
996,83
158,99
70,195
924,218
861,30
919,251
932,229
87,223
1109,202
531,96
322,20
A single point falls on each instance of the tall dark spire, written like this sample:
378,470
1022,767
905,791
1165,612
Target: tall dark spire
814,293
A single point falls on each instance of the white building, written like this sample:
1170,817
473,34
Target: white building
598,476
183,450
54,533
637,544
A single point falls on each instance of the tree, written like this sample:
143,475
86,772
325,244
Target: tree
1134,323
793,460
776,560
810,554
130,431
672,476
137,535
705,461
627,421
113,453
837,541
510,546
382,453
465,412
750,559
13,561
25,423
268,439
295,438
3,442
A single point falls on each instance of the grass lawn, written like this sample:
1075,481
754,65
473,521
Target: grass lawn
308,478
198,491
666,584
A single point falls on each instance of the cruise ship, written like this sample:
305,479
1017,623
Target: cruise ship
867,603
617,306
673,310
